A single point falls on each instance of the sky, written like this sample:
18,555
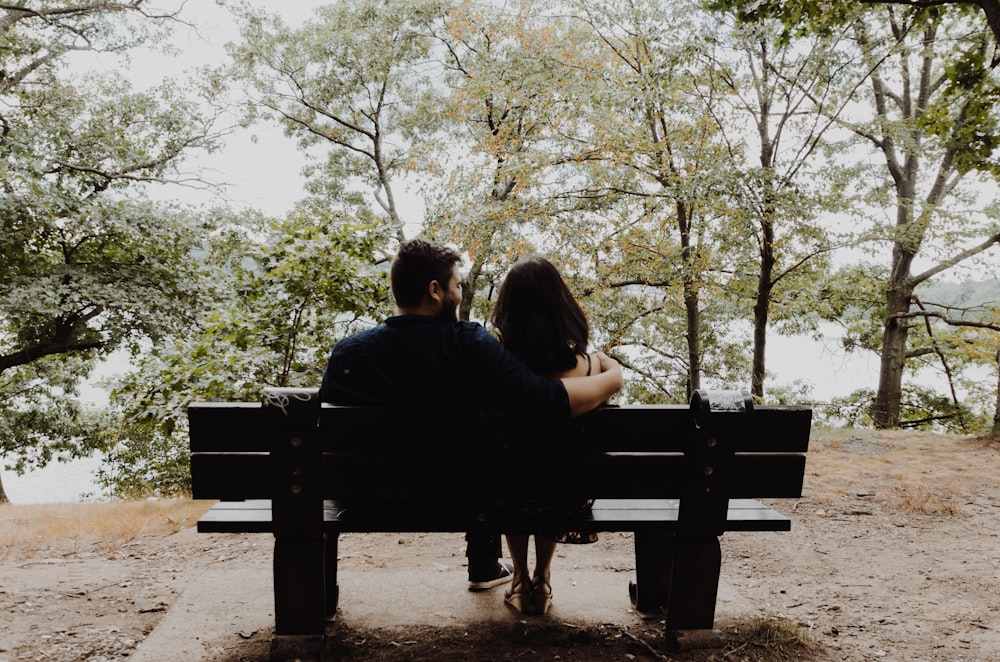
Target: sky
260,166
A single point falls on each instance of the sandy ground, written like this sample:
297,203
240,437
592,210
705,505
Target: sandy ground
894,554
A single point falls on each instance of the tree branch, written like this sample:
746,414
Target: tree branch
947,320
941,357
955,259
991,9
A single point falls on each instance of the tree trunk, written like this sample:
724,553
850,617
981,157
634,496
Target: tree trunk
693,336
762,306
469,290
885,412
996,412
691,309
765,283
3,493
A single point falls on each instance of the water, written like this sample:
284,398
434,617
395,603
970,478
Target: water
59,482
824,365
73,481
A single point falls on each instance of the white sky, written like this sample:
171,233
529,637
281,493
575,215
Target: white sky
259,167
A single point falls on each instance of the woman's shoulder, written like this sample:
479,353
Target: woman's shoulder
586,364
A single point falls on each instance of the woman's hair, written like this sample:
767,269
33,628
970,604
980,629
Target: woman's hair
538,319
417,263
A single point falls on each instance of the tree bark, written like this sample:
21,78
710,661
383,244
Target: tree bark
885,412
762,308
3,493
469,289
996,412
692,312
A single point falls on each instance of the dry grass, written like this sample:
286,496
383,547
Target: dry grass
72,526
772,640
906,471
916,499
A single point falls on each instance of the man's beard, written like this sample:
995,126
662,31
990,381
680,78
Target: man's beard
448,312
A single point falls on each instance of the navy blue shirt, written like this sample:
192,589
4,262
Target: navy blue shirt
415,360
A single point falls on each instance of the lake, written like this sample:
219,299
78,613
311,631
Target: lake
60,482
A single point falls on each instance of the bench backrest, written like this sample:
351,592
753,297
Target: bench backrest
293,450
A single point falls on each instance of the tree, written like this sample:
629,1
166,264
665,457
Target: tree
508,76
780,97
649,168
350,80
923,79
88,264
934,125
284,291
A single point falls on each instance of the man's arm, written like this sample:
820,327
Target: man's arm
587,393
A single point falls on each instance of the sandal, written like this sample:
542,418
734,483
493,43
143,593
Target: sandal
541,595
519,596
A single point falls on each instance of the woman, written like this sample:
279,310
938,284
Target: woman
538,319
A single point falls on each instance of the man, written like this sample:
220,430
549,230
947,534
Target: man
423,356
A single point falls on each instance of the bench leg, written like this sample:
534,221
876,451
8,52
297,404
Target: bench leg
650,592
677,575
332,588
694,587
299,598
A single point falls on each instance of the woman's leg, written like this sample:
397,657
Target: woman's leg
541,583
519,594
545,549
517,545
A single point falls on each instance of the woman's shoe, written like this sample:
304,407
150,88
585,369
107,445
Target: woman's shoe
541,595
519,596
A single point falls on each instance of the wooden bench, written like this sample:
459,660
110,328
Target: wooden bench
677,477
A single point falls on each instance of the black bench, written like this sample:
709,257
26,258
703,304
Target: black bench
677,477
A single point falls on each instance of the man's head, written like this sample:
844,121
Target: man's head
425,280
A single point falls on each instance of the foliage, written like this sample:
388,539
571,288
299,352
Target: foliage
350,80
41,418
694,169
88,264
142,461
922,408
284,291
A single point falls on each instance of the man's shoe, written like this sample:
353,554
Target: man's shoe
503,573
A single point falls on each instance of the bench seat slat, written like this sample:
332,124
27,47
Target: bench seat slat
254,516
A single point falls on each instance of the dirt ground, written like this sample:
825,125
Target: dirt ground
894,554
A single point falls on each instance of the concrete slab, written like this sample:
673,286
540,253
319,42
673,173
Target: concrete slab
236,599
226,599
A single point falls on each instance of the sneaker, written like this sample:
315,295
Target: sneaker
503,573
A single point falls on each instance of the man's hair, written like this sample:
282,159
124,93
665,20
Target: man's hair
417,263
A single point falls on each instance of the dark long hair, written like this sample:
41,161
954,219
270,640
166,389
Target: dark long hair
538,319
